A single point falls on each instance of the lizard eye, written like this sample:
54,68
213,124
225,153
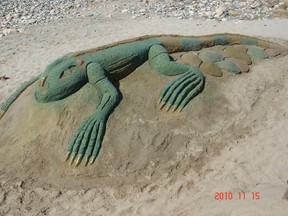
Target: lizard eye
72,69
68,71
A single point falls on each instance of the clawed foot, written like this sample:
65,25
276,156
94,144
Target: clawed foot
178,93
86,142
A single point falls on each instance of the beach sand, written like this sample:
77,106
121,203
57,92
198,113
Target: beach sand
236,146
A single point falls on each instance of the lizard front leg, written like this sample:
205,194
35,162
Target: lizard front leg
88,138
178,93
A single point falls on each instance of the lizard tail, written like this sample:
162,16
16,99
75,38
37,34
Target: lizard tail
175,43
4,106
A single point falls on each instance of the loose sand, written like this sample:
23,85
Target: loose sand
233,138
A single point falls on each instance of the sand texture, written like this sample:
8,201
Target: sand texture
231,138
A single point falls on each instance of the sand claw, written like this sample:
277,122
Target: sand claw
68,156
2,112
92,160
78,161
72,159
86,161
161,105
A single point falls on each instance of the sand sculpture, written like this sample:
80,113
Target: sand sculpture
100,66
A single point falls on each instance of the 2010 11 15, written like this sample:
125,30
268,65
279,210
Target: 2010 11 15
238,195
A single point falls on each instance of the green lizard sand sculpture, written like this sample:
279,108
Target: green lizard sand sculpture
69,73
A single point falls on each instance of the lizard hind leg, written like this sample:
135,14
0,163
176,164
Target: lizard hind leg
179,92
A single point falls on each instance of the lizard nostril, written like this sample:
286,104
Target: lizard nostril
80,62
42,81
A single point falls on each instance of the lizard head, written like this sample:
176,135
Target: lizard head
60,79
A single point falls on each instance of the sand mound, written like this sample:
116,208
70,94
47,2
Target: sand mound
140,142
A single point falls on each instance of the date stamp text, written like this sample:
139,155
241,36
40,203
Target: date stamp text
237,195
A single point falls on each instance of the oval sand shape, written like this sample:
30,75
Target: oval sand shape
242,65
191,59
257,53
229,66
211,55
211,68
237,53
272,52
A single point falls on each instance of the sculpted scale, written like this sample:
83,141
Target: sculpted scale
98,66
